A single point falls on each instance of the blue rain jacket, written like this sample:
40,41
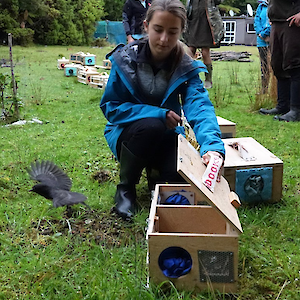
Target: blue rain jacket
122,104
262,24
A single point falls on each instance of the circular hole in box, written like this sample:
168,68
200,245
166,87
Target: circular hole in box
175,262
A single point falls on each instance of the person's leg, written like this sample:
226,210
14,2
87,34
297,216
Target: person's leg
207,61
291,63
136,146
283,98
165,162
294,113
265,72
283,78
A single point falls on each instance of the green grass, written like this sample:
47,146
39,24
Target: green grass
106,259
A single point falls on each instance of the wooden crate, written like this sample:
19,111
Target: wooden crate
70,70
62,62
258,176
84,75
105,65
227,128
206,231
88,59
76,57
99,81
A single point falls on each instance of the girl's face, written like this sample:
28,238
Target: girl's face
163,30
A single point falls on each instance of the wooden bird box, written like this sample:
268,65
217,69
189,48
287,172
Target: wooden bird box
76,57
252,171
105,65
62,62
99,81
85,73
70,70
227,128
201,237
88,59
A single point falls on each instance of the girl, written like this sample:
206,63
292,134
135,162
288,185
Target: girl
151,80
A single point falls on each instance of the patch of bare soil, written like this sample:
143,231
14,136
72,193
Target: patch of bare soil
104,228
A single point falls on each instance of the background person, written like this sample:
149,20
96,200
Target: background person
285,58
262,28
199,35
134,12
142,104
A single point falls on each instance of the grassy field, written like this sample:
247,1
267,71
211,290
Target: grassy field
93,255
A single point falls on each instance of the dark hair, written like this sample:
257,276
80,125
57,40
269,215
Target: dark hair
176,8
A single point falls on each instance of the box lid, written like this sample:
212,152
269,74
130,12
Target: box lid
191,167
225,122
261,155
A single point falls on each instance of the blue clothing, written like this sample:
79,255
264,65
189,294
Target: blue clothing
123,104
262,24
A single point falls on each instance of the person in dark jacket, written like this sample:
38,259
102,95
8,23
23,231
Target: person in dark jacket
262,28
134,12
285,58
199,34
151,82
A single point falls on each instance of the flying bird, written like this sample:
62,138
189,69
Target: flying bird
54,184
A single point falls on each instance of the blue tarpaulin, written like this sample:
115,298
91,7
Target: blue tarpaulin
112,31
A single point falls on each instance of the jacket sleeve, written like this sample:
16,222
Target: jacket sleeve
200,114
262,25
257,25
120,107
126,16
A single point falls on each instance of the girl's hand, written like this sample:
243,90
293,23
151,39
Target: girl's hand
206,158
172,119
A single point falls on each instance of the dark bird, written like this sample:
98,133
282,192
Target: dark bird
54,184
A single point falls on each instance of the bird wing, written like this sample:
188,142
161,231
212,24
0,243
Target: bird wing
49,174
63,197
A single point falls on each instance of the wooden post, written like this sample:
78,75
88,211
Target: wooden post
15,101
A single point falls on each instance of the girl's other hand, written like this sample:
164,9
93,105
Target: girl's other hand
172,119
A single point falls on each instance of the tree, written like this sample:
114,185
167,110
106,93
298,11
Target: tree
50,21
113,9
238,6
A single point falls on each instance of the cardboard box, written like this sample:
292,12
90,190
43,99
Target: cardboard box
202,236
252,171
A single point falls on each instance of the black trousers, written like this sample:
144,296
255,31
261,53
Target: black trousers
151,141
285,61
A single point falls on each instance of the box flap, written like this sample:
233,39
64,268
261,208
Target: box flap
222,121
261,155
191,167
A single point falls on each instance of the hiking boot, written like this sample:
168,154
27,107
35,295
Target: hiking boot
291,116
272,111
130,172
